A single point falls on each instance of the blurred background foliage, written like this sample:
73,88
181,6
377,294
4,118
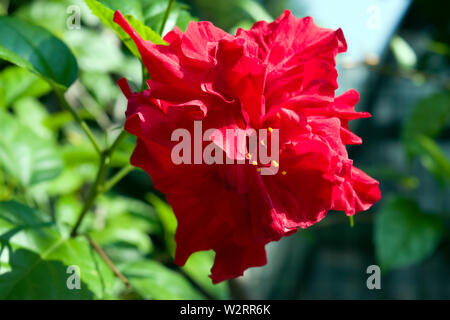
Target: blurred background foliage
398,60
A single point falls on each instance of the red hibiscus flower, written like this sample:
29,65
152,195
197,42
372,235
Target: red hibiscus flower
278,75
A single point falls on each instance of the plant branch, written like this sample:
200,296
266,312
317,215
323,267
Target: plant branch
166,15
97,188
108,261
77,118
116,178
93,192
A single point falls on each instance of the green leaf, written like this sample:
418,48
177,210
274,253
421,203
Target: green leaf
25,156
254,10
168,221
428,118
34,48
154,11
152,280
32,114
16,82
403,53
405,235
433,159
198,268
34,259
124,227
106,14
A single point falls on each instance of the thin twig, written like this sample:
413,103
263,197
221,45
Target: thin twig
116,178
77,118
93,192
166,15
108,261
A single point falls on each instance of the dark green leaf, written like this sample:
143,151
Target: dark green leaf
34,48
428,118
405,235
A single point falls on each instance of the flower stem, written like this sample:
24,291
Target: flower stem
352,221
166,15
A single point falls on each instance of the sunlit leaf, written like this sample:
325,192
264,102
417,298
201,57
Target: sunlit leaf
198,267
168,220
153,280
25,156
404,54
16,82
34,259
106,15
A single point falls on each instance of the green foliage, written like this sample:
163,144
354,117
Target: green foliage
16,82
26,157
104,10
430,116
151,280
405,235
32,47
403,53
34,259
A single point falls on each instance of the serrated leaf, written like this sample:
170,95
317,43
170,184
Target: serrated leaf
34,48
34,259
25,156
152,280
405,235
106,15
